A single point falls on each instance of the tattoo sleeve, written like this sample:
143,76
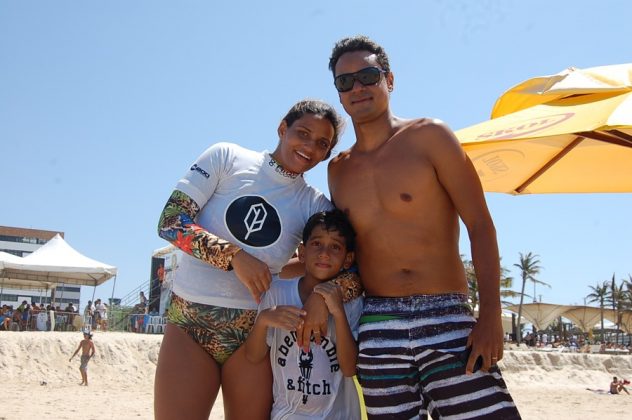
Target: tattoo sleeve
176,225
349,282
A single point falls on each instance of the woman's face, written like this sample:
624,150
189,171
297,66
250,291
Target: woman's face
304,144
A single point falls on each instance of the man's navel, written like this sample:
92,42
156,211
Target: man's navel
406,197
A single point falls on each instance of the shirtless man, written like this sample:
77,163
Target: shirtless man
87,352
404,184
616,386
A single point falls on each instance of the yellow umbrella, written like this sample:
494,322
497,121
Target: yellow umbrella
572,81
576,144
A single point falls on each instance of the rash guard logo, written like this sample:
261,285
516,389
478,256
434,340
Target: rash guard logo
200,170
253,221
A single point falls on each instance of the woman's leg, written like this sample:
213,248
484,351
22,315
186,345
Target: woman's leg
187,378
246,387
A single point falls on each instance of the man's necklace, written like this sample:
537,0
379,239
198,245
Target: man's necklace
281,170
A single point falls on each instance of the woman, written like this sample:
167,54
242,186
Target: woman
260,202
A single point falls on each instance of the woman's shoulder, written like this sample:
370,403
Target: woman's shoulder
232,153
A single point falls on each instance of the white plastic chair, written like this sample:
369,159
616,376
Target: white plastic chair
160,327
153,325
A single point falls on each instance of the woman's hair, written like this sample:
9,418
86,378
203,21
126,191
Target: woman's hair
320,108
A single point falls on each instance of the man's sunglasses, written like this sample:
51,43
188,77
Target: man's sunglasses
368,76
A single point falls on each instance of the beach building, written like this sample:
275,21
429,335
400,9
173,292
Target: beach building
21,242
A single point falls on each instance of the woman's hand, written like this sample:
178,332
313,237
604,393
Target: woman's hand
253,273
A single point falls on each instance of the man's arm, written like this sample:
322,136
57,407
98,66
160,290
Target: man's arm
316,310
457,175
346,347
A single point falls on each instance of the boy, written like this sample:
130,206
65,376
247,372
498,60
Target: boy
87,352
316,384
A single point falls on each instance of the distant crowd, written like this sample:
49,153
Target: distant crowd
26,317
573,343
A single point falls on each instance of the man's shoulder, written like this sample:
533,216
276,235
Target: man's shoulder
428,136
340,157
426,125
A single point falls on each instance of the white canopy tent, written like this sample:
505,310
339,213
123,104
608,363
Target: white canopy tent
52,264
541,315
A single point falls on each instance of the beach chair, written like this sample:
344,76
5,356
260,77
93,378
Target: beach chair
595,348
162,325
154,325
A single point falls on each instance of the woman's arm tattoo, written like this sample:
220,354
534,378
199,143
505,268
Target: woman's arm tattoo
177,226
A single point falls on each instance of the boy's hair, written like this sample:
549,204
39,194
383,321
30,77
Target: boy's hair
333,220
320,108
358,43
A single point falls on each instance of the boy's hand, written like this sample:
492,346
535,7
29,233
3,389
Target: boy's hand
333,297
285,317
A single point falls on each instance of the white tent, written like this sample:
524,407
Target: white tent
541,315
53,263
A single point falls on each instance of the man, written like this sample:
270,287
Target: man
102,314
404,184
616,386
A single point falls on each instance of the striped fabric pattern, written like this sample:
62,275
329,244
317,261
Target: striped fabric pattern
412,362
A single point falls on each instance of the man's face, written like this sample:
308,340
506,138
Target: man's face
363,102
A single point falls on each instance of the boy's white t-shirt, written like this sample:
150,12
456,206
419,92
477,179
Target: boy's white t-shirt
309,386
246,201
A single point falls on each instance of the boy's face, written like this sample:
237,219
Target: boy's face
324,254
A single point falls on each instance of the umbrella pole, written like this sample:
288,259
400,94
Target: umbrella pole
550,163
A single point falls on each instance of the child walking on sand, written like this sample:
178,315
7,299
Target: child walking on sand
315,382
87,352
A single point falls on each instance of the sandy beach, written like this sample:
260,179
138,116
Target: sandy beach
39,381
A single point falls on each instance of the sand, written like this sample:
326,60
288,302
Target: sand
544,385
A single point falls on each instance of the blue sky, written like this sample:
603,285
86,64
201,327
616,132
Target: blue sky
104,105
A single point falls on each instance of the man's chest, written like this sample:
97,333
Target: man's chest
383,181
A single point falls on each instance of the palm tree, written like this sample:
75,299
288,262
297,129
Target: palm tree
529,268
472,283
599,293
506,283
617,298
627,297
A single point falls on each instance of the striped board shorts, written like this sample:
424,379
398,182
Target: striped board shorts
412,356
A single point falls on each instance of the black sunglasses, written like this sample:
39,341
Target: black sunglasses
367,76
